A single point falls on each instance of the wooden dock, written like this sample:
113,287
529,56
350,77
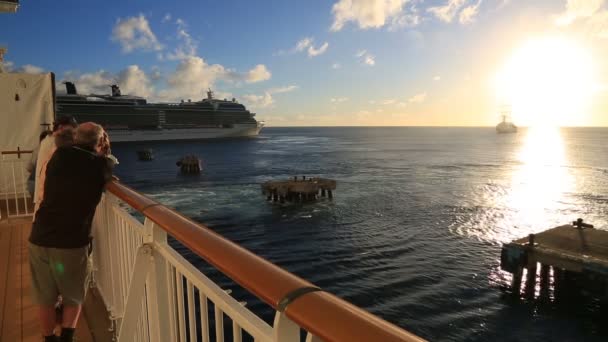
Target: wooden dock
298,189
18,313
559,262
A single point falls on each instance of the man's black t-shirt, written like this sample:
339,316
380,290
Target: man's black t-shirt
75,178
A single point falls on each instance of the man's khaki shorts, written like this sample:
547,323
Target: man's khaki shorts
59,271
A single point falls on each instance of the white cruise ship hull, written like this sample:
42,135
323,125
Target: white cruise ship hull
238,130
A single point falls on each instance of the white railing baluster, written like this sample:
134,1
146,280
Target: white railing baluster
171,300
204,315
15,189
285,330
179,284
237,334
191,315
219,324
312,338
136,294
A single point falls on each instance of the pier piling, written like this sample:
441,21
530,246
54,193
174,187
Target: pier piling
299,190
572,259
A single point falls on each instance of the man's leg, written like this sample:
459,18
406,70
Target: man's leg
47,319
70,316
44,289
73,282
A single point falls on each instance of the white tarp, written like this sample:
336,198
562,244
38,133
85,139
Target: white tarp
26,106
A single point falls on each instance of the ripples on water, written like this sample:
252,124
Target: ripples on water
414,231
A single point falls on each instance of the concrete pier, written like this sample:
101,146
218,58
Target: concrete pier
559,262
298,189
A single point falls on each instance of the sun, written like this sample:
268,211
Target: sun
548,81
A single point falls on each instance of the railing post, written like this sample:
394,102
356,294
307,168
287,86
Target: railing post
284,329
161,314
136,292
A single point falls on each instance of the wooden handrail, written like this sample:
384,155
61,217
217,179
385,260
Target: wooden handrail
322,314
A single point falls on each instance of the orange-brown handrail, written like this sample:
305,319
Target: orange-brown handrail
322,314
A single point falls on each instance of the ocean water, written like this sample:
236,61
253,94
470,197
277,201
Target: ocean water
415,228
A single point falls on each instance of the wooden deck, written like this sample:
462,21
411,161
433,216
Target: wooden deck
18,314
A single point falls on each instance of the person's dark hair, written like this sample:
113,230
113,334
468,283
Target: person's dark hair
43,135
64,121
65,138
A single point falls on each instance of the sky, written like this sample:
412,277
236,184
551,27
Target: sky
332,63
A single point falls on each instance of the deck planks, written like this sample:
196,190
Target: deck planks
18,313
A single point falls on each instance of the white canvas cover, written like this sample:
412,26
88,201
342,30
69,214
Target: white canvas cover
26,104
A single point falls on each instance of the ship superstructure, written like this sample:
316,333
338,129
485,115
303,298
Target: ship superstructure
506,126
132,118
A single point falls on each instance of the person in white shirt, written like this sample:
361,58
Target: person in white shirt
45,152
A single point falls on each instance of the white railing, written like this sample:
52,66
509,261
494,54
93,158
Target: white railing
13,183
153,294
138,276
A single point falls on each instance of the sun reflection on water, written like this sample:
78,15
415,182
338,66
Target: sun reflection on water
529,197
539,185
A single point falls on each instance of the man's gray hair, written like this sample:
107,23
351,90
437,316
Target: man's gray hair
88,134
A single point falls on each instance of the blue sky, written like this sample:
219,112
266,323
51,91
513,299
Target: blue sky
401,62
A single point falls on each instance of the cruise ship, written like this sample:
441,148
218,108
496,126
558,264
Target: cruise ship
131,118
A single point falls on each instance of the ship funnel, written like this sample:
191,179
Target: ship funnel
70,88
115,90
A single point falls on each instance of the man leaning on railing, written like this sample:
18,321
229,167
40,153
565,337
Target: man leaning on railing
60,240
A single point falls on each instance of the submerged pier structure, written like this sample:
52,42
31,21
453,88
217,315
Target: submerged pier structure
298,189
190,164
564,261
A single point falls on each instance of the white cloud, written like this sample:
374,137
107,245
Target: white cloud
467,15
338,99
448,11
257,74
370,60
576,9
7,66
418,98
91,83
156,73
30,69
437,78
597,25
389,102
366,58
166,18
133,80
312,51
285,89
303,44
259,101
191,79
405,20
336,66
134,33
366,13
266,100
186,47
307,44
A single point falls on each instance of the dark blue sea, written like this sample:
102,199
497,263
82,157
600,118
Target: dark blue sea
414,231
